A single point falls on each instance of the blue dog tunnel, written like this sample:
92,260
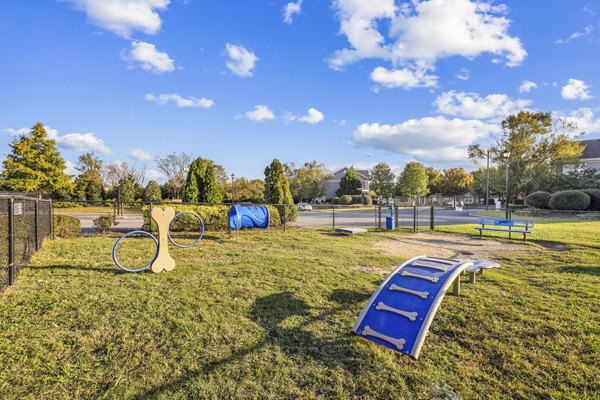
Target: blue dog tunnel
241,217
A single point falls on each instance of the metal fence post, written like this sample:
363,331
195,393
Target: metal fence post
379,222
397,224
36,219
11,241
333,213
432,218
415,216
51,212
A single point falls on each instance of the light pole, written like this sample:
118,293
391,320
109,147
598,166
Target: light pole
487,183
506,155
232,194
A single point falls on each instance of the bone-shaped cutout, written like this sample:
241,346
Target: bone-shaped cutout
397,288
433,279
429,266
399,343
163,261
408,314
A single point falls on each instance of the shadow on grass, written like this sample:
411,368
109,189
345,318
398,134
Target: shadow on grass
114,271
270,312
594,271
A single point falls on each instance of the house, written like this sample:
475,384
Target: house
334,183
589,159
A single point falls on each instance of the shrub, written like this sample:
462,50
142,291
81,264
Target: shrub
290,211
345,200
368,201
66,226
538,200
594,198
65,204
570,200
104,222
335,200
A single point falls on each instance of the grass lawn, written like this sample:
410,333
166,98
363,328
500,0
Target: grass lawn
270,316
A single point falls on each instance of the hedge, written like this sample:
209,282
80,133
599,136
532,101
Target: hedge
570,200
66,226
335,200
538,200
215,217
345,200
594,198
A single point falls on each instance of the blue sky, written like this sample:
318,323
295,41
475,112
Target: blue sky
338,81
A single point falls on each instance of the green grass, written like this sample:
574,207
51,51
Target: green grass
585,234
269,316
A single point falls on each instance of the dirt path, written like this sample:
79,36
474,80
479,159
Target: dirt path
448,246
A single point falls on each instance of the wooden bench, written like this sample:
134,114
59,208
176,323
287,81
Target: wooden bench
505,225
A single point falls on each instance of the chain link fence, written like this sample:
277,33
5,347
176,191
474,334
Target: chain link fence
566,215
24,224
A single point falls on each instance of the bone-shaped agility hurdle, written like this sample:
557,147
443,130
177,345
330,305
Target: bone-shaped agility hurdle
162,260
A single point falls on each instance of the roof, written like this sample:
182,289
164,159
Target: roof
592,148
362,173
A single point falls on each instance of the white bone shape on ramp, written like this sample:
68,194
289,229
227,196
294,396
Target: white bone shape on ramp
381,306
399,343
429,266
397,288
433,279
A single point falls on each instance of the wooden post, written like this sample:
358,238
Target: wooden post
456,286
472,276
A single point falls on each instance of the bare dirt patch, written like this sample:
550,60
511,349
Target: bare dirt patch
449,246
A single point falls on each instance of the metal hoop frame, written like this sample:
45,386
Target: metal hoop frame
186,246
114,252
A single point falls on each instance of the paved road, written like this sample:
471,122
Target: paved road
368,218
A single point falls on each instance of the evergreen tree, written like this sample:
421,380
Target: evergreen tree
413,180
94,191
127,190
201,183
277,190
35,164
152,193
349,184
382,180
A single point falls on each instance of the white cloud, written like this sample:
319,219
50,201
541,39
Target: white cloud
464,74
576,35
422,32
313,116
240,60
82,142
155,175
179,101
260,113
472,105
290,10
70,168
429,139
406,78
124,17
141,155
151,59
527,86
586,119
576,90
16,132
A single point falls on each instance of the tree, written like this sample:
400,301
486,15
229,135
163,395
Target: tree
310,181
382,180
277,190
152,193
89,183
127,190
536,146
349,184
174,167
433,180
247,190
579,178
455,182
35,164
413,180
118,171
201,183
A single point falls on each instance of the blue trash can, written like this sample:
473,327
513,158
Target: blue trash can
389,223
